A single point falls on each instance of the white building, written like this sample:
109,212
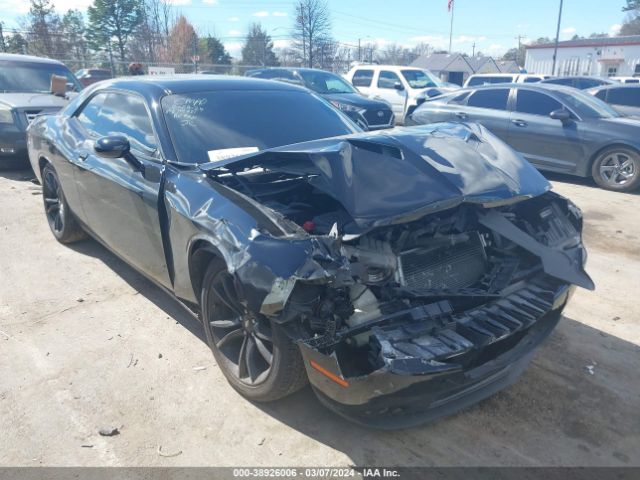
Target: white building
605,57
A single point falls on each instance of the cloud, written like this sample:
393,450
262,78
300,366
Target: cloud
615,29
569,30
567,33
233,48
282,43
234,19
235,32
279,14
210,2
179,3
261,14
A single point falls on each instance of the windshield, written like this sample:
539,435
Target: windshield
325,82
420,79
32,77
588,106
204,124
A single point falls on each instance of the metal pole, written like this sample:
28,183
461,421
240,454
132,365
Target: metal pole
2,46
359,52
555,48
453,6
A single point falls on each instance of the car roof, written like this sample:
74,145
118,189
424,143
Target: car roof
617,85
547,87
176,84
590,77
499,74
386,67
18,58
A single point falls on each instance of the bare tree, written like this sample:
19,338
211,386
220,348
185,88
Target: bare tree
311,30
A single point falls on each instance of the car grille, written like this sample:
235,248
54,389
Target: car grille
378,117
444,268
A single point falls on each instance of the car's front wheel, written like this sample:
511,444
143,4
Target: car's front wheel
62,222
258,359
617,168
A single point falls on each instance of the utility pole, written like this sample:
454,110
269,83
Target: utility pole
113,71
555,48
473,49
194,40
359,51
453,5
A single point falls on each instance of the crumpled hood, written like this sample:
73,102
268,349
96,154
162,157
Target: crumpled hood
32,100
395,175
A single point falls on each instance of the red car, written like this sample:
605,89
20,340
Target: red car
88,76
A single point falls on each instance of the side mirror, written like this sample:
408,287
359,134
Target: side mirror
561,114
114,146
398,86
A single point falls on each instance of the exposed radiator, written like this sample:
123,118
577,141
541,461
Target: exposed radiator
444,267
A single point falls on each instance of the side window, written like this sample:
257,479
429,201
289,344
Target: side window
601,94
536,103
387,79
459,99
362,78
126,114
532,79
495,98
584,83
624,96
89,114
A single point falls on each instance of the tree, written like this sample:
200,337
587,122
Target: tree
74,31
515,54
215,51
42,21
311,29
114,19
16,43
258,48
183,42
394,54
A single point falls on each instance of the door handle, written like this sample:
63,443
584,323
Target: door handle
83,156
519,123
461,115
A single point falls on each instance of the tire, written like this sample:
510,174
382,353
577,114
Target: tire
233,331
62,222
617,169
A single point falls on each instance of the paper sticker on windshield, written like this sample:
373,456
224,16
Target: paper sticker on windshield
224,153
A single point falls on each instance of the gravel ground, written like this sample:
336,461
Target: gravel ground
87,343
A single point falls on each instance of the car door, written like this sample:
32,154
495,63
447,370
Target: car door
548,143
390,88
362,79
120,199
487,106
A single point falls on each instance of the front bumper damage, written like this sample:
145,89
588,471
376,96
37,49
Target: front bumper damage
437,363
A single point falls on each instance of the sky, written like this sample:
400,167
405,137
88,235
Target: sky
493,25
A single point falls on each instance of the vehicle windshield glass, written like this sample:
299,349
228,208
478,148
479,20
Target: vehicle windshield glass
420,79
588,106
325,82
204,122
32,77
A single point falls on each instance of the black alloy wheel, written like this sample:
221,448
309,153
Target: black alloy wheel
61,220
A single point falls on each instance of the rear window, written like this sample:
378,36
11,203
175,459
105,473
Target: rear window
475,81
362,78
495,99
207,121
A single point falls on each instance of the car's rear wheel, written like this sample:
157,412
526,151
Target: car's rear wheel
258,359
617,169
61,221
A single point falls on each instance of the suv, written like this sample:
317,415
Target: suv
26,91
369,114
403,87
491,78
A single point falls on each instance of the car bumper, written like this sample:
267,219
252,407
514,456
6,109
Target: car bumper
391,398
13,147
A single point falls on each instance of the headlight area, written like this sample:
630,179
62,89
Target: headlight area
6,116
345,107
12,139
437,313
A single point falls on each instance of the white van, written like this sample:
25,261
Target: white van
478,79
404,88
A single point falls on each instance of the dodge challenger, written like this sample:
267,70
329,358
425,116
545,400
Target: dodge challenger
405,274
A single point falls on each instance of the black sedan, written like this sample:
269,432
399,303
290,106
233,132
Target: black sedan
624,98
556,128
405,274
368,113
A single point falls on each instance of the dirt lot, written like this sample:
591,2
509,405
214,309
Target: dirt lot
85,342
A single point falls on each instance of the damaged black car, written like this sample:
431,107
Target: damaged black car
404,274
